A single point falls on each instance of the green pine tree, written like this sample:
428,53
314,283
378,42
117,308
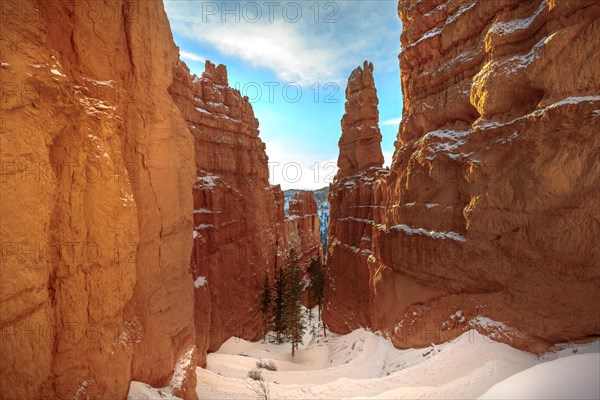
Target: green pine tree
278,305
293,290
266,302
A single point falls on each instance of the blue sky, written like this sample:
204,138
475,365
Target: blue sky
293,59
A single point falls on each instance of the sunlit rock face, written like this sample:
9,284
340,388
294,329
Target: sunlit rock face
488,212
360,144
137,220
96,209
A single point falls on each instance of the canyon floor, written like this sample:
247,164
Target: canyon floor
363,364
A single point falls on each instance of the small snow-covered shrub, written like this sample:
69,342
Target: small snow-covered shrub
256,375
268,365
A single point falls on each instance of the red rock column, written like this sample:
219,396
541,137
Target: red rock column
348,295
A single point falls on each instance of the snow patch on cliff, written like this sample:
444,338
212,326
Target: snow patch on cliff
427,35
483,124
181,367
207,181
200,281
515,25
432,234
460,12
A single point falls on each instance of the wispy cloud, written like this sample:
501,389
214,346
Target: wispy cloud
393,121
186,55
321,46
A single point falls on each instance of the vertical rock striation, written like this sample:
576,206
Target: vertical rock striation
360,144
96,220
137,220
488,212
240,231
238,216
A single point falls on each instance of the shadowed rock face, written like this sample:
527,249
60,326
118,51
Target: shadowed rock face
488,211
302,228
351,197
239,232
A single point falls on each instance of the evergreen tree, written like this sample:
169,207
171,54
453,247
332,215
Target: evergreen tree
278,305
266,302
293,288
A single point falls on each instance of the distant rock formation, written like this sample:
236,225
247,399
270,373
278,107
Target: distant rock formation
488,216
302,228
320,196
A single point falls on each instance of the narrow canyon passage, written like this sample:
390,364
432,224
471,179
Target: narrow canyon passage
148,253
366,365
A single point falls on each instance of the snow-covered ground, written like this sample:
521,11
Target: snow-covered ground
571,377
363,364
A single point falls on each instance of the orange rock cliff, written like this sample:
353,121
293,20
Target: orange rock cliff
488,217
137,220
238,220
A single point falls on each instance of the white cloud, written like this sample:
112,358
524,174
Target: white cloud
308,51
191,56
393,121
277,47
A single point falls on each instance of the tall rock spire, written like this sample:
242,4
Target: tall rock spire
352,216
360,144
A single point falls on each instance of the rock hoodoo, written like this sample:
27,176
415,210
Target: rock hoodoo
351,197
137,220
360,144
487,218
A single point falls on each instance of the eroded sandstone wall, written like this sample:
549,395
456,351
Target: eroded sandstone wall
137,217
96,206
302,228
239,233
489,210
